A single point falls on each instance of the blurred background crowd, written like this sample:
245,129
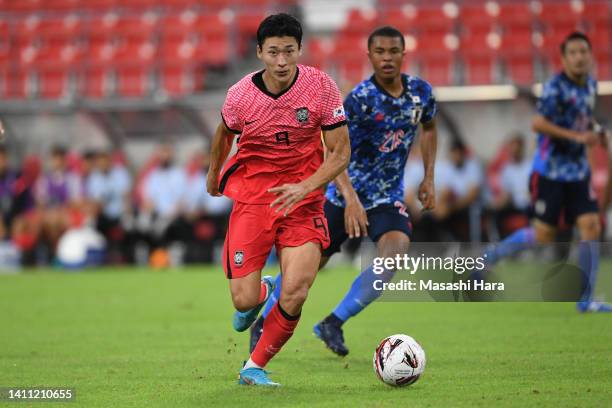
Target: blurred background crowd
108,108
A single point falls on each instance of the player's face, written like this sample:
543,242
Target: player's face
577,59
279,55
386,55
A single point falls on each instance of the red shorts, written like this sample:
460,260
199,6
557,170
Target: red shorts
254,228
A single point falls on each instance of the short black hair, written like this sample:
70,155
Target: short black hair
386,31
457,144
58,151
576,35
279,25
90,154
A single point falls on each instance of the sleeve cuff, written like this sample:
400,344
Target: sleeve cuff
229,128
333,125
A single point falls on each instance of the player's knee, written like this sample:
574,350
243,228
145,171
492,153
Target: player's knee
294,297
397,246
590,229
243,302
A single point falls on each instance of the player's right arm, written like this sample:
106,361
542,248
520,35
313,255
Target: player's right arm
547,107
542,125
355,217
219,150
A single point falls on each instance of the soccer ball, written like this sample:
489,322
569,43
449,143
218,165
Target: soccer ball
399,360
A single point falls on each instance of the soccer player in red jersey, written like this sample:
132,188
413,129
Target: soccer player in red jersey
276,179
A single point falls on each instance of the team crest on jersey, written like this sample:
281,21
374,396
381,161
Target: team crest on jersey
301,115
238,258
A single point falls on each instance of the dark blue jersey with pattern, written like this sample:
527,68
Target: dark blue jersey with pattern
382,129
570,106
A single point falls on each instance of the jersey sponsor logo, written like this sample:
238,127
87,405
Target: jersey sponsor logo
238,258
392,140
339,111
301,115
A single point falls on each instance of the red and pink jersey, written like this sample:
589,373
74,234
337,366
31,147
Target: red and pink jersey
279,135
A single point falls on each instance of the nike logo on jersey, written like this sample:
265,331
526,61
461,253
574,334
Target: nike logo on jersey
249,122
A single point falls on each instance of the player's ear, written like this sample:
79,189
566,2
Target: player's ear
259,51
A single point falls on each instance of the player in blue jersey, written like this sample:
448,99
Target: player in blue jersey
385,113
560,183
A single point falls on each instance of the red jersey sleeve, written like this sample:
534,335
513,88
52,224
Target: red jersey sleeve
231,112
332,110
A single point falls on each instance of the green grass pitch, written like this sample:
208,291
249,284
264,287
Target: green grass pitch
135,338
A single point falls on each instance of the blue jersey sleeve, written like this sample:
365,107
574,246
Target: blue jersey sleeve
430,109
352,109
549,101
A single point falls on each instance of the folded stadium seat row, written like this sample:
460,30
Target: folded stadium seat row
62,6
506,41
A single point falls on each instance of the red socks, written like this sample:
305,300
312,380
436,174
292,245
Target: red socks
277,329
263,293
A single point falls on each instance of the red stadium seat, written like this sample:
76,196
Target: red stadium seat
66,27
359,22
401,18
53,82
517,50
247,24
103,27
19,84
62,5
55,64
516,16
23,5
95,82
603,65
318,51
137,27
133,68
437,57
99,5
25,28
476,19
596,14
138,5
560,16
176,4
179,80
479,54
432,20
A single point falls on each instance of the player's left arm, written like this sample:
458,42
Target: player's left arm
337,159
429,145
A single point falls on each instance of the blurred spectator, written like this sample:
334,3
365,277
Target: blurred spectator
462,178
14,198
163,210
512,202
427,226
58,194
87,166
108,187
209,215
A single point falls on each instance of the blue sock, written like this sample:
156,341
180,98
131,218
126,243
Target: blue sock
518,241
361,294
588,262
274,297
